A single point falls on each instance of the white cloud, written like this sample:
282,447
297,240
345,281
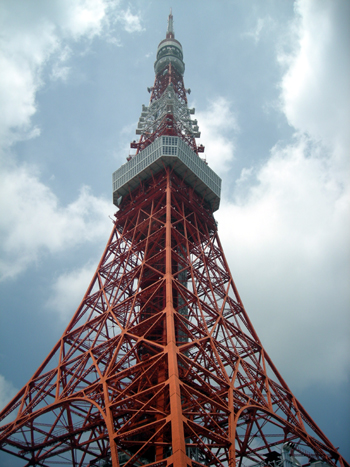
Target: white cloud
20,77
59,69
31,33
287,245
287,232
84,17
60,72
315,90
262,25
219,126
33,222
68,290
131,22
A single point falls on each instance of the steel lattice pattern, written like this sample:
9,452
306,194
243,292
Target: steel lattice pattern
160,363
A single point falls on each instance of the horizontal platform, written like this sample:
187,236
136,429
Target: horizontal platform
165,151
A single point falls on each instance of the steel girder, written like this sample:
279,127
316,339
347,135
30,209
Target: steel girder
160,364
167,118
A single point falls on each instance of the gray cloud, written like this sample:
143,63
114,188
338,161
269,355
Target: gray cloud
33,222
286,234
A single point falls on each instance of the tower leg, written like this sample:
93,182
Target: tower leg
177,429
109,423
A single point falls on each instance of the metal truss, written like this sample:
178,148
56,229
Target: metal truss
168,113
168,75
160,365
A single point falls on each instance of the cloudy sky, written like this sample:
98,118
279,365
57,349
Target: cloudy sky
270,84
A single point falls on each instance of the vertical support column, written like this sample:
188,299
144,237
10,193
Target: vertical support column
110,429
231,429
179,457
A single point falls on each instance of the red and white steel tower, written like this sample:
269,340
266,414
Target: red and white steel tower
160,365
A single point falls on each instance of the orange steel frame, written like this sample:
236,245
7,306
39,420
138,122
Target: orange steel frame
160,365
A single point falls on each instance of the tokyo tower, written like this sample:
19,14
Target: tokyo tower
160,365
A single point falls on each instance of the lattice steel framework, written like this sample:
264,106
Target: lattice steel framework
167,113
160,365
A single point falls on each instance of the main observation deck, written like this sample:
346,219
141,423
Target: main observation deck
165,151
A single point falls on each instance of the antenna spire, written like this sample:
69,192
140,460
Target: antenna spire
170,31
